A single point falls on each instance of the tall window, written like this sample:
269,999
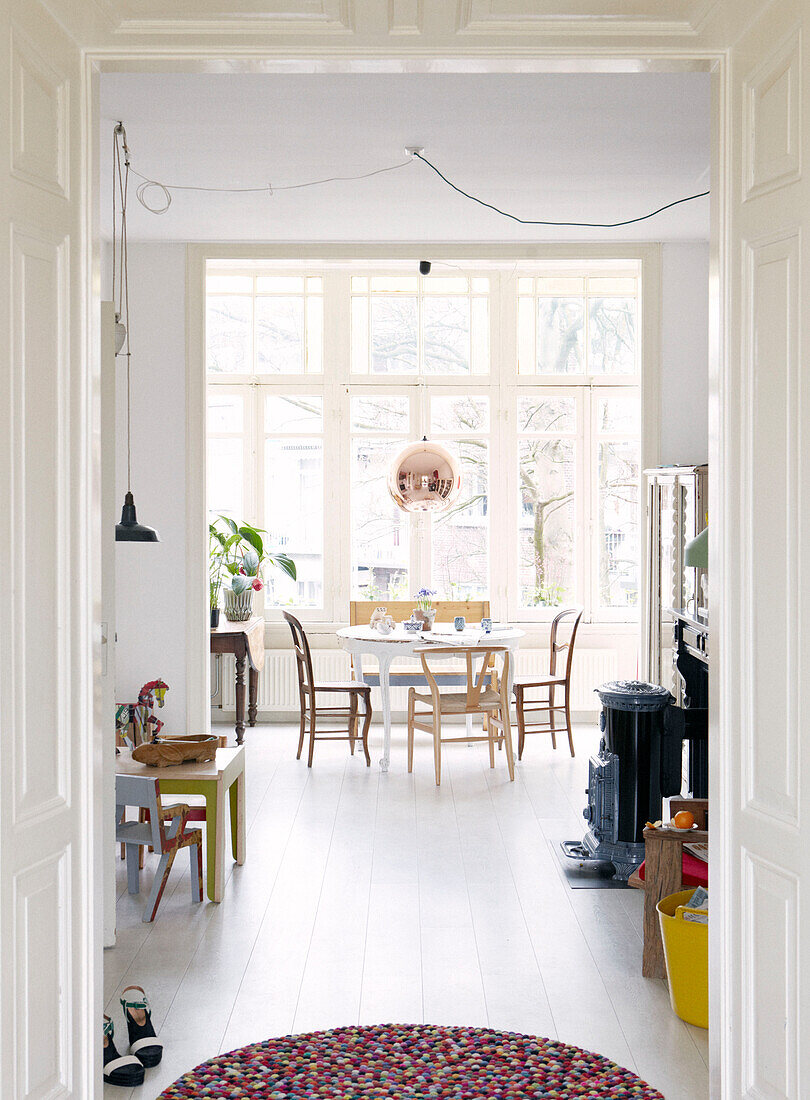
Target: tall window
318,376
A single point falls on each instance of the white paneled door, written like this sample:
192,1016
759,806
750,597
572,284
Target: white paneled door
48,952
762,778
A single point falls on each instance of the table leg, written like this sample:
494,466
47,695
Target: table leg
211,842
219,844
253,695
385,697
238,829
240,699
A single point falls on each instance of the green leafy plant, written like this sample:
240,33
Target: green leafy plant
237,557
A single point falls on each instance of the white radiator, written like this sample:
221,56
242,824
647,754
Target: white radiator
278,683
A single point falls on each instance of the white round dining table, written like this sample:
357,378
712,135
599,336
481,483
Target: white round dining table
362,641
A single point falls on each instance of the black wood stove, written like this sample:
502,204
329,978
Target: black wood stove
637,766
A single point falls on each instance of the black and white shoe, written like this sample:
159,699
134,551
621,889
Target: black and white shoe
123,1070
143,1042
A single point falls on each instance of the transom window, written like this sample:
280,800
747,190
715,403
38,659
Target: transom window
531,373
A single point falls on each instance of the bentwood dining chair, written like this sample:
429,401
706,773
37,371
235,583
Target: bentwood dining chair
312,710
480,698
564,624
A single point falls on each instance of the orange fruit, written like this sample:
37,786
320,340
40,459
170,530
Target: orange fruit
683,819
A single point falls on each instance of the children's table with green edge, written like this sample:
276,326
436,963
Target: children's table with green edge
215,780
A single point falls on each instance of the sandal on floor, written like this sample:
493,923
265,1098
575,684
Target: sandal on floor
143,1042
119,1070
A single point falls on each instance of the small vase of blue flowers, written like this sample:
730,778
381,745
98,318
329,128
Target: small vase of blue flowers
424,611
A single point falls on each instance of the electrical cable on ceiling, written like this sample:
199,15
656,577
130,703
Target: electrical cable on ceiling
537,221
167,188
414,153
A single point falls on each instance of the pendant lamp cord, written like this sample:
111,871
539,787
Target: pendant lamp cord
120,187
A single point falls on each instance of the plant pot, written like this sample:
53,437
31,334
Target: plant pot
425,616
238,607
214,618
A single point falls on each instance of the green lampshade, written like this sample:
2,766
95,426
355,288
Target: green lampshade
696,554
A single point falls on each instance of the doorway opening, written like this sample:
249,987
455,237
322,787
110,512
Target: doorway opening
367,884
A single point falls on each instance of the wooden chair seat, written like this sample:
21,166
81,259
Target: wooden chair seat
523,682
491,703
308,690
453,702
550,685
342,685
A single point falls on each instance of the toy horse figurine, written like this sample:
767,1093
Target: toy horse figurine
136,723
154,690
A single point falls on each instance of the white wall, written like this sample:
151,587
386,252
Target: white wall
685,353
150,578
150,597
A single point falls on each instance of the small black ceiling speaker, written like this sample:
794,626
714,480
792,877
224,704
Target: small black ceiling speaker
424,267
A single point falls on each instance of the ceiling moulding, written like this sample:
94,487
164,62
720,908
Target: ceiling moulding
82,21
482,17
334,17
405,16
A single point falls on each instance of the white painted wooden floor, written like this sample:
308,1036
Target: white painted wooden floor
377,898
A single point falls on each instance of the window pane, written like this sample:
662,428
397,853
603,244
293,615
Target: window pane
393,335
547,414
314,335
479,335
280,335
380,551
459,415
293,482
527,347
546,522
614,285
380,413
229,284
228,334
449,285
225,477
618,524
560,335
360,335
612,335
446,323
303,413
407,283
560,285
460,536
618,414
224,411
279,284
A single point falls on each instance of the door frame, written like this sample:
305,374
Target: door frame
624,55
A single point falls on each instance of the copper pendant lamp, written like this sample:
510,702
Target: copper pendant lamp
424,477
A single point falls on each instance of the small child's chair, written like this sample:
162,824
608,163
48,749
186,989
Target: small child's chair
144,793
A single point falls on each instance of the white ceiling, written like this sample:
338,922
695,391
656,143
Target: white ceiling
556,146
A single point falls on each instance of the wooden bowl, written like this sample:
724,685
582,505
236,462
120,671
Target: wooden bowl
180,750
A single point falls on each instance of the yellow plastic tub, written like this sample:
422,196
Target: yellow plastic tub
686,951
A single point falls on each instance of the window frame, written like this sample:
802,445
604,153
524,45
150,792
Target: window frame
337,382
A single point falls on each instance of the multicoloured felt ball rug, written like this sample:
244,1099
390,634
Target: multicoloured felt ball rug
410,1062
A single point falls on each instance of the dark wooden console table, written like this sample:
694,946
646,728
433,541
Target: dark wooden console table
246,642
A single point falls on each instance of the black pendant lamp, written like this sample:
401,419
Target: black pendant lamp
128,530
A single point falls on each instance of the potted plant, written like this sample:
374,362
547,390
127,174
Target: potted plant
243,557
424,611
217,543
